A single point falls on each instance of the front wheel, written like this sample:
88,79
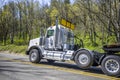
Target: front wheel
84,59
111,65
34,56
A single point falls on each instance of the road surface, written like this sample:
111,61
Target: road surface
16,67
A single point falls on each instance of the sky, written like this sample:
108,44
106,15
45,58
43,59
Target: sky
1,3
48,1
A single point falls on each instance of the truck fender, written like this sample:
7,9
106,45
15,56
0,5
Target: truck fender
40,49
101,58
74,54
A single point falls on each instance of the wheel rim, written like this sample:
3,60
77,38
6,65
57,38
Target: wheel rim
33,56
112,66
83,59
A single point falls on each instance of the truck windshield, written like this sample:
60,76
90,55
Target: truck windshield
50,33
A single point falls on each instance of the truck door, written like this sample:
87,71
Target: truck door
49,42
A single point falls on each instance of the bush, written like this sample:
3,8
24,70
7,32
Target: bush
20,42
14,48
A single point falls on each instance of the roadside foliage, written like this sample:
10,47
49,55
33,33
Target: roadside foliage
97,22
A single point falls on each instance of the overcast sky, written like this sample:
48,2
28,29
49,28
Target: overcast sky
48,1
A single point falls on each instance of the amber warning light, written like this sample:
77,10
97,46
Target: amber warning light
67,24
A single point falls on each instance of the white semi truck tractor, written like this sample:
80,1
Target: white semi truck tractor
58,45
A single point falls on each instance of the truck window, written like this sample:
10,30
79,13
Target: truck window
50,33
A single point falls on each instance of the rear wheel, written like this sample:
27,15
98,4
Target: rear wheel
34,56
84,59
111,65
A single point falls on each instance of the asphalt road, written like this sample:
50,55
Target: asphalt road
16,67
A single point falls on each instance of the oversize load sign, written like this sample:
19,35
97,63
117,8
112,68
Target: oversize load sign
67,24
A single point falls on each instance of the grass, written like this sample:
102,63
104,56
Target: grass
14,48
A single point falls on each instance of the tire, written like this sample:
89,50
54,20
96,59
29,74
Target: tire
34,56
50,61
84,59
111,65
